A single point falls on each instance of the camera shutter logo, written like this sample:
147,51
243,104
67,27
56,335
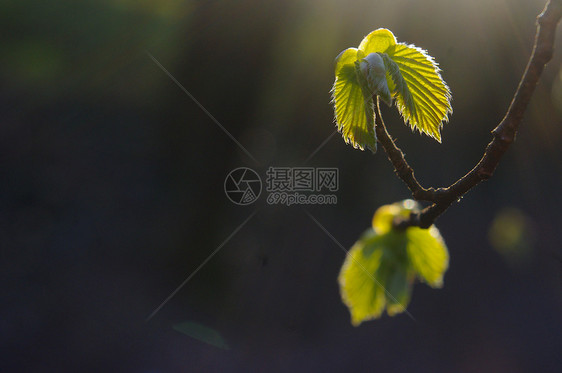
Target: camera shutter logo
242,186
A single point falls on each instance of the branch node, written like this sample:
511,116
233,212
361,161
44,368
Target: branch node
420,194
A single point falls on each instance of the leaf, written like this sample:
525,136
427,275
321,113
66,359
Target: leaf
410,76
380,268
378,41
426,250
428,254
424,99
430,95
361,290
375,275
372,77
399,286
355,117
384,216
398,86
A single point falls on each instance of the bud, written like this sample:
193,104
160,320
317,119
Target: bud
374,71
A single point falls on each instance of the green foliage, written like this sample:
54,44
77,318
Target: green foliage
354,112
392,71
381,267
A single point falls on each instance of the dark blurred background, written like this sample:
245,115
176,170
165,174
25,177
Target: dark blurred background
111,189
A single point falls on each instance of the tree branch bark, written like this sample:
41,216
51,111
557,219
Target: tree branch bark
503,135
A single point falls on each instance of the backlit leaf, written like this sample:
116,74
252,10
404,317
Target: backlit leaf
361,290
384,216
372,77
381,267
430,94
399,285
355,117
410,77
428,254
398,86
378,41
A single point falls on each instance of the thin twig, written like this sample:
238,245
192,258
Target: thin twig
401,166
503,135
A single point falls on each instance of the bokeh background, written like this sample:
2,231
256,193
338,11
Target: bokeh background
111,189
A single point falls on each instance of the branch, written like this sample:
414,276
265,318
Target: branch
401,166
503,135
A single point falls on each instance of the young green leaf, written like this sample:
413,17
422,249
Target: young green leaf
430,95
381,267
355,116
376,275
389,70
428,254
372,74
399,284
378,41
361,290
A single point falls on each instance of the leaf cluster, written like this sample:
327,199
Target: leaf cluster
381,268
394,72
